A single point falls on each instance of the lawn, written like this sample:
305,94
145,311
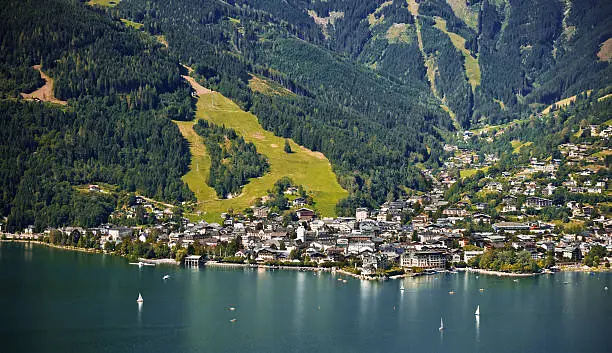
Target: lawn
304,167
464,173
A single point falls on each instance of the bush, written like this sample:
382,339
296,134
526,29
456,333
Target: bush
460,264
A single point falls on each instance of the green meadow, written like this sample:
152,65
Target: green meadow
305,167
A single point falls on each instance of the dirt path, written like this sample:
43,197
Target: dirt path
45,93
198,88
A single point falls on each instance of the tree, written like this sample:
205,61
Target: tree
180,254
287,147
415,236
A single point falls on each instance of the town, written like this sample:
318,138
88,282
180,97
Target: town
529,211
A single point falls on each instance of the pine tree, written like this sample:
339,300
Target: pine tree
287,147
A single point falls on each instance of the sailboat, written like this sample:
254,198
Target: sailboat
441,325
140,300
477,313
166,277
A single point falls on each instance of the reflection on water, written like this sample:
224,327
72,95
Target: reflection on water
27,252
277,311
140,314
298,317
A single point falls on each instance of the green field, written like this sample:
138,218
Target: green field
472,68
304,167
464,173
517,145
104,3
132,24
267,87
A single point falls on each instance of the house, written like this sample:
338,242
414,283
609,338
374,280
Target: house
299,202
261,212
305,214
361,214
494,186
538,202
481,218
424,259
457,212
468,255
266,254
118,233
510,226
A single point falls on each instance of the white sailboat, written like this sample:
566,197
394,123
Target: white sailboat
441,325
140,300
477,313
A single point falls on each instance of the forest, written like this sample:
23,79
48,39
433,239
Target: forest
122,88
234,161
359,91
359,119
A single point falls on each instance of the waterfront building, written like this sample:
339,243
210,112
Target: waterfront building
424,259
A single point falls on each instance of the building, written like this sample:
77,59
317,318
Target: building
467,255
261,212
424,259
538,202
266,255
305,214
510,226
193,260
481,217
301,234
118,233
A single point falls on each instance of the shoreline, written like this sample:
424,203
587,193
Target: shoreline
564,268
498,273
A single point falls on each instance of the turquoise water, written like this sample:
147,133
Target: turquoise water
62,301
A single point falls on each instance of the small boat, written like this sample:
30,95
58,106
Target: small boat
166,277
605,288
140,264
481,289
451,292
476,276
402,287
516,280
139,300
231,308
565,282
233,320
344,281
477,313
441,325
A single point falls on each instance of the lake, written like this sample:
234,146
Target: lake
62,301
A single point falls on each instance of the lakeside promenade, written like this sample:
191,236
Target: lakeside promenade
35,238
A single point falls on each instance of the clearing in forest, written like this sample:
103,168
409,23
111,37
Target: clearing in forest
45,93
562,103
268,87
605,51
103,3
305,167
472,68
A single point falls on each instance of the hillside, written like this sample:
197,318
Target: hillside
304,167
116,91
377,87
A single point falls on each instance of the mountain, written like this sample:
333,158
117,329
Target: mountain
377,86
